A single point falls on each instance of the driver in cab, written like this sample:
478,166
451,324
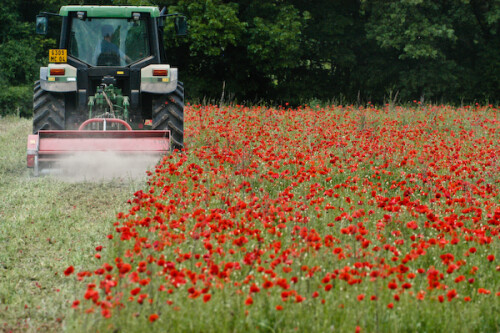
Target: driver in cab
107,53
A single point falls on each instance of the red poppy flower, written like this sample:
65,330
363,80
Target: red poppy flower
267,284
299,299
406,285
483,291
125,268
392,285
69,270
75,304
451,294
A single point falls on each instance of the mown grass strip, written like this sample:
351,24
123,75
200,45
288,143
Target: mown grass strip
46,225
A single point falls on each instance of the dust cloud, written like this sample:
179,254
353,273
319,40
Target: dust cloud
101,166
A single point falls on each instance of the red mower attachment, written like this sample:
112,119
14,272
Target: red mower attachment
46,148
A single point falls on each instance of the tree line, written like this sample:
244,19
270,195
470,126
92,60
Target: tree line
296,51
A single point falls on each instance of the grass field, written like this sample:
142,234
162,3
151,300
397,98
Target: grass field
314,219
46,225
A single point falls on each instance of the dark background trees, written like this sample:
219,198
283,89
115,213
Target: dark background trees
297,51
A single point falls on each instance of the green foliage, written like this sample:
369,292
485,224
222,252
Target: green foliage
20,61
437,47
242,46
15,58
297,51
274,41
355,51
16,100
213,26
21,54
331,50
416,28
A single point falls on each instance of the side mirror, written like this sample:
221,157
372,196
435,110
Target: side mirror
181,27
42,24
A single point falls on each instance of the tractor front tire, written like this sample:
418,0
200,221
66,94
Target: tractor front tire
168,114
48,110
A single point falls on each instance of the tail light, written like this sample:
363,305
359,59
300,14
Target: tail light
160,72
57,71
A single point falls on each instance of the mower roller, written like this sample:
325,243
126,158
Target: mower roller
108,87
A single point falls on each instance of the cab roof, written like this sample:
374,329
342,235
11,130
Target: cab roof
110,11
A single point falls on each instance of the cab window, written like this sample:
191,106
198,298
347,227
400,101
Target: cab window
109,41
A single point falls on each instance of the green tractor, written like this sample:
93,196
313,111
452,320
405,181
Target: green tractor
110,65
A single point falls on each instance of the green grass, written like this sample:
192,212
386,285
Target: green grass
46,225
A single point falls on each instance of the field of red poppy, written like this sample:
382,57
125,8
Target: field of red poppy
316,219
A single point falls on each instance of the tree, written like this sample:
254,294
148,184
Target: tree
237,46
21,54
439,44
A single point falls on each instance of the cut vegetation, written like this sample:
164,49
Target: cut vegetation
46,224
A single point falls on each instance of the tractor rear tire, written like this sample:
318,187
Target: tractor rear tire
168,114
48,110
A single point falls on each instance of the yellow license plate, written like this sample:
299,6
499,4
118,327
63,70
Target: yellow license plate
58,55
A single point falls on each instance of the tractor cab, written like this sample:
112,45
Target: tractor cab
110,68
